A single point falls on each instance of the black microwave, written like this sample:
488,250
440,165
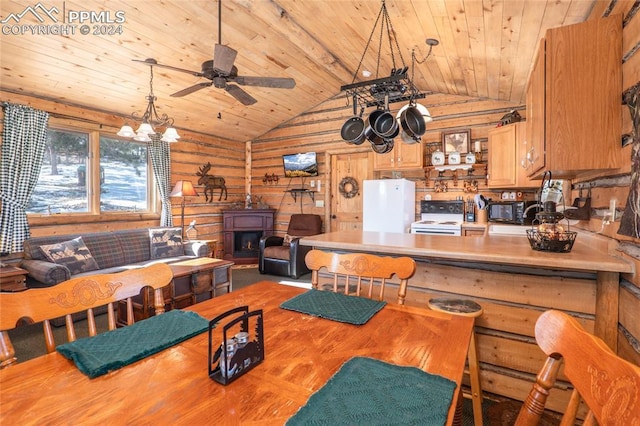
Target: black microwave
511,212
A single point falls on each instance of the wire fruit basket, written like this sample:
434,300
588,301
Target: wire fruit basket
557,242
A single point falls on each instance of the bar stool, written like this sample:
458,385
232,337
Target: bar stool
467,308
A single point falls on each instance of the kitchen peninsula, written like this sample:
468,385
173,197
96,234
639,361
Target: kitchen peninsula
512,282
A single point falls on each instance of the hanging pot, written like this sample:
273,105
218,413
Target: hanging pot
385,124
372,136
353,129
385,147
413,122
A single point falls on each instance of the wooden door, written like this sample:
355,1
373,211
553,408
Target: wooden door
346,209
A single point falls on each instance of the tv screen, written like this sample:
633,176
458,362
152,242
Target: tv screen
300,165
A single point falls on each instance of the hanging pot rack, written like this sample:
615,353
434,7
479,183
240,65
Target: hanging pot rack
397,86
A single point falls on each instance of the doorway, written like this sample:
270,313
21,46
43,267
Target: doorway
347,172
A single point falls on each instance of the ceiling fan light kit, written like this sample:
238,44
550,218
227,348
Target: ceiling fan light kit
380,92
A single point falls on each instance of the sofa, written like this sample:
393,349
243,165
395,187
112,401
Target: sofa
52,259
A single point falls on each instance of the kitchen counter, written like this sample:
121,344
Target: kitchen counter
498,249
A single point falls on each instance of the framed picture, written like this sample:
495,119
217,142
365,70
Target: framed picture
457,140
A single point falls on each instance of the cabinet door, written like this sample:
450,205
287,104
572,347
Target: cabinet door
384,161
408,156
535,141
502,157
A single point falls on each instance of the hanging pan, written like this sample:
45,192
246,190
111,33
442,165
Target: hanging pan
384,124
413,122
353,129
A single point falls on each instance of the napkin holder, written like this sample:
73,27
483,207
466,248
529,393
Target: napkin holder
235,356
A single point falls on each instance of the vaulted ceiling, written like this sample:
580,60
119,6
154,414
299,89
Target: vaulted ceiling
486,50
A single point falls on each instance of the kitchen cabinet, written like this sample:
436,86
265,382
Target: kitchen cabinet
507,151
403,156
573,100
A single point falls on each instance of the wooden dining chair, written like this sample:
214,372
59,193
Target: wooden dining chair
608,385
366,271
77,295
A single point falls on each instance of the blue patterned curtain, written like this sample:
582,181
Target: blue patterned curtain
24,136
160,153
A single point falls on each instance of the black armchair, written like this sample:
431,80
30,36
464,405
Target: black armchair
285,256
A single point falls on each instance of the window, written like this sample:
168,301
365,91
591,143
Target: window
61,187
123,175
67,177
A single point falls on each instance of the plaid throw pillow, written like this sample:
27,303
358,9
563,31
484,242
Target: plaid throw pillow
73,254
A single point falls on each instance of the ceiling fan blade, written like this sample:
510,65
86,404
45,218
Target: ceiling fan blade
275,82
223,58
239,94
153,62
191,89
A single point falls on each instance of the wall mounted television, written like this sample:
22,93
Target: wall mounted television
300,165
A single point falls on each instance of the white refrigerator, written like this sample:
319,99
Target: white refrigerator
388,205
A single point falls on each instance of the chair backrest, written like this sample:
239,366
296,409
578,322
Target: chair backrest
304,225
608,385
361,271
77,295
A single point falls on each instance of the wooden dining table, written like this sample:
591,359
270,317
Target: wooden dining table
173,387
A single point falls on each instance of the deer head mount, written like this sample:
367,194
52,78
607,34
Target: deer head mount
211,183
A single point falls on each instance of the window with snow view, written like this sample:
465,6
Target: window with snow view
66,175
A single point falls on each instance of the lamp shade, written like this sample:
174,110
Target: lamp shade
145,128
183,188
126,131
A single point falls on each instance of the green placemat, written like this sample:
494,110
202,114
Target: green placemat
368,391
98,355
334,306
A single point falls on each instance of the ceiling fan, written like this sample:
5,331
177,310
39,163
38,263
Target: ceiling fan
223,73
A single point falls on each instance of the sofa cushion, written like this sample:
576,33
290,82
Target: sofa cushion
73,254
277,252
166,242
105,248
134,244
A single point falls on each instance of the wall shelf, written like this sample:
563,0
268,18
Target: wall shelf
469,173
294,193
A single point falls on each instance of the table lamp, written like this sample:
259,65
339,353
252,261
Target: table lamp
183,188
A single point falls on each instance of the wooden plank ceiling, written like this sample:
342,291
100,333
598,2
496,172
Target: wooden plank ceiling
486,50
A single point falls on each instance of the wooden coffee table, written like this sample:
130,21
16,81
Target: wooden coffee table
206,275
194,280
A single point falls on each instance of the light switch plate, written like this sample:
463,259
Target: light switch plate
319,203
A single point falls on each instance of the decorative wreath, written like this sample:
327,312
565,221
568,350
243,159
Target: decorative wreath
348,182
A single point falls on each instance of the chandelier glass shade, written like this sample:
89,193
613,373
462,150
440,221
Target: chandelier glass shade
150,119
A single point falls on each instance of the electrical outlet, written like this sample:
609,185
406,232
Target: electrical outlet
319,203
313,183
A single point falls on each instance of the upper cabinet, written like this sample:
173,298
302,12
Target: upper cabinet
403,156
507,150
573,100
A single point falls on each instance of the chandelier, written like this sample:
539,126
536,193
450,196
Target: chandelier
150,119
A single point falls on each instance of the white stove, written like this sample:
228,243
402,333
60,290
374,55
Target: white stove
439,218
